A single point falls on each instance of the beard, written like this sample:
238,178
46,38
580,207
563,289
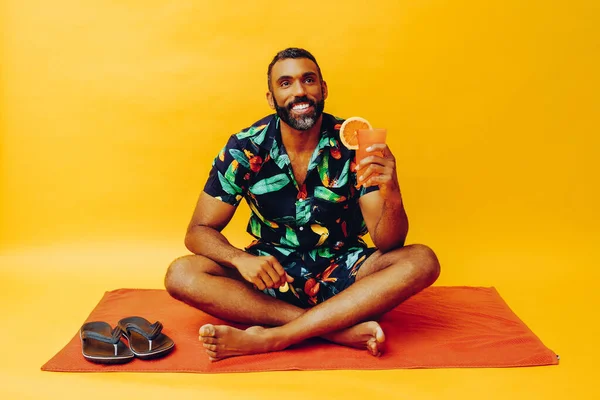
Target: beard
302,122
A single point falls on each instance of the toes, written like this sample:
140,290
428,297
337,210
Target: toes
212,347
379,335
208,339
212,355
373,347
207,330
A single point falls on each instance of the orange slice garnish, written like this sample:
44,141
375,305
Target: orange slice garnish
348,134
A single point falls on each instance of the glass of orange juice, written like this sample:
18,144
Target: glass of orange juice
366,138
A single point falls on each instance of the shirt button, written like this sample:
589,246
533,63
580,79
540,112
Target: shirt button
301,228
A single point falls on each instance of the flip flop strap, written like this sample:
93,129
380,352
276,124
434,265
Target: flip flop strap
113,339
155,330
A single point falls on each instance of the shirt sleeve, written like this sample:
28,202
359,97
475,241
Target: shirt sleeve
363,190
226,178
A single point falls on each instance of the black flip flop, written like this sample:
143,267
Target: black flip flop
146,340
102,344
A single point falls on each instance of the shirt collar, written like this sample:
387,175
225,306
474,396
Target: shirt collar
274,145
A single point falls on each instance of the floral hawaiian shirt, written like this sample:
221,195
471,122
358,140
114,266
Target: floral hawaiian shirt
320,215
319,222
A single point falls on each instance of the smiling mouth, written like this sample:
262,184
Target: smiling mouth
301,108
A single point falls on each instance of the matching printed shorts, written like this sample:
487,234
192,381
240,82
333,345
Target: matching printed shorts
316,278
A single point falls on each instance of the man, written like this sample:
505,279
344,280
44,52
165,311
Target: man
308,273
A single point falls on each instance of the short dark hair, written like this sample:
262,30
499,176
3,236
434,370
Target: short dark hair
291,52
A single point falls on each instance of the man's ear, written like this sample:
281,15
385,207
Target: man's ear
325,90
270,100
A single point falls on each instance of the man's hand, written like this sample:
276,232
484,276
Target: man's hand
262,271
379,170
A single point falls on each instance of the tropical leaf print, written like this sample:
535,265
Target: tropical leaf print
231,171
315,160
290,238
285,220
253,130
285,251
325,194
354,269
240,157
325,252
322,232
323,169
268,223
255,226
261,136
335,149
228,186
342,180
353,258
282,160
271,184
325,276
303,213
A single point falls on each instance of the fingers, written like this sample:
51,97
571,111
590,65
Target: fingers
378,168
376,159
258,282
377,180
375,164
382,147
270,274
265,272
374,174
277,272
267,278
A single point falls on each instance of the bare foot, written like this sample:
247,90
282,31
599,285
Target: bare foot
367,335
221,341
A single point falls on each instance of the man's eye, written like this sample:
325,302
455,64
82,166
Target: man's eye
285,83
309,80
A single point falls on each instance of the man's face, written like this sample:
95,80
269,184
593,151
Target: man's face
298,94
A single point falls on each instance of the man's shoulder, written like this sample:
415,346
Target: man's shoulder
332,125
334,118
255,130
332,122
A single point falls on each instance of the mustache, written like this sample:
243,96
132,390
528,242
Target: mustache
298,100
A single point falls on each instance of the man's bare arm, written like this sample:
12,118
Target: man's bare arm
386,220
204,235
383,210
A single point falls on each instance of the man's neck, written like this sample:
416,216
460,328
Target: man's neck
297,142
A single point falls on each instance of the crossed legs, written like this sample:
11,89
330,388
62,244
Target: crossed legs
383,281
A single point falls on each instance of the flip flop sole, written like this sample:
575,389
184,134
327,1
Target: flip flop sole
154,354
108,360
139,344
101,352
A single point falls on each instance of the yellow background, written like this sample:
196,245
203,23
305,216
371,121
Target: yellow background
111,113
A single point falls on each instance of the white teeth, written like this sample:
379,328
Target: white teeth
300,106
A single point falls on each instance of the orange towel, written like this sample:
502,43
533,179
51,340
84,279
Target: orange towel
441,327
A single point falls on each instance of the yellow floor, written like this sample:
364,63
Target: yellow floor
47,292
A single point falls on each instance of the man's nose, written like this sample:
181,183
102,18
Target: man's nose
299,89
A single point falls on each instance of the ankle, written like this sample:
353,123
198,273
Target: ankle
277,339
